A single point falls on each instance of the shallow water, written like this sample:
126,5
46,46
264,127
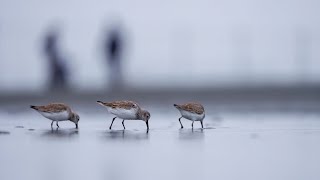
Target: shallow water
254,145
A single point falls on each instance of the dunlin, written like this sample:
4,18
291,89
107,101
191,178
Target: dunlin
126,110
191,111
57,112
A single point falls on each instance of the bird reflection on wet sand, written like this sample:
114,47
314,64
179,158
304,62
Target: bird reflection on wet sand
60,133
126,135
191,134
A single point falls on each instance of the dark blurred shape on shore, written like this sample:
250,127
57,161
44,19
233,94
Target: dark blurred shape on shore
57,67
113,48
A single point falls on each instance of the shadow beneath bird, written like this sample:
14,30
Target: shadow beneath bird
60,133
126,135
4,132
209,127
191,134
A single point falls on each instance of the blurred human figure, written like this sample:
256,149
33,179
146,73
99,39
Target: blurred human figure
113,52
57,68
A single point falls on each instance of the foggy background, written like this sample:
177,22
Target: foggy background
253,64
167,44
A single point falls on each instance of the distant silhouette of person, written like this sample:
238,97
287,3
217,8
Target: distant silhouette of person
113,50
58,71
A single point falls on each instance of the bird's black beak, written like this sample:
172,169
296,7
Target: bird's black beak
147,123
76,125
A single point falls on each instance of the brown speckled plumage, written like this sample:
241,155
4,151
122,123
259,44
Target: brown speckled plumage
52,108
191,107
120,104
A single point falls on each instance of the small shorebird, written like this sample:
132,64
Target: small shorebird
126,110
57,112
192,112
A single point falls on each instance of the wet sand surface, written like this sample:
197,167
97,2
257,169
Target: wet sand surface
233,145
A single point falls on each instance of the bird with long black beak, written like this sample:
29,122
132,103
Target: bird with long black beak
57,112
126,110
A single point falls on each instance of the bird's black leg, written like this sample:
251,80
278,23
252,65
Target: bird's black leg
147,123
201,124
51,124
180,122
112,122
57,124
123,124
